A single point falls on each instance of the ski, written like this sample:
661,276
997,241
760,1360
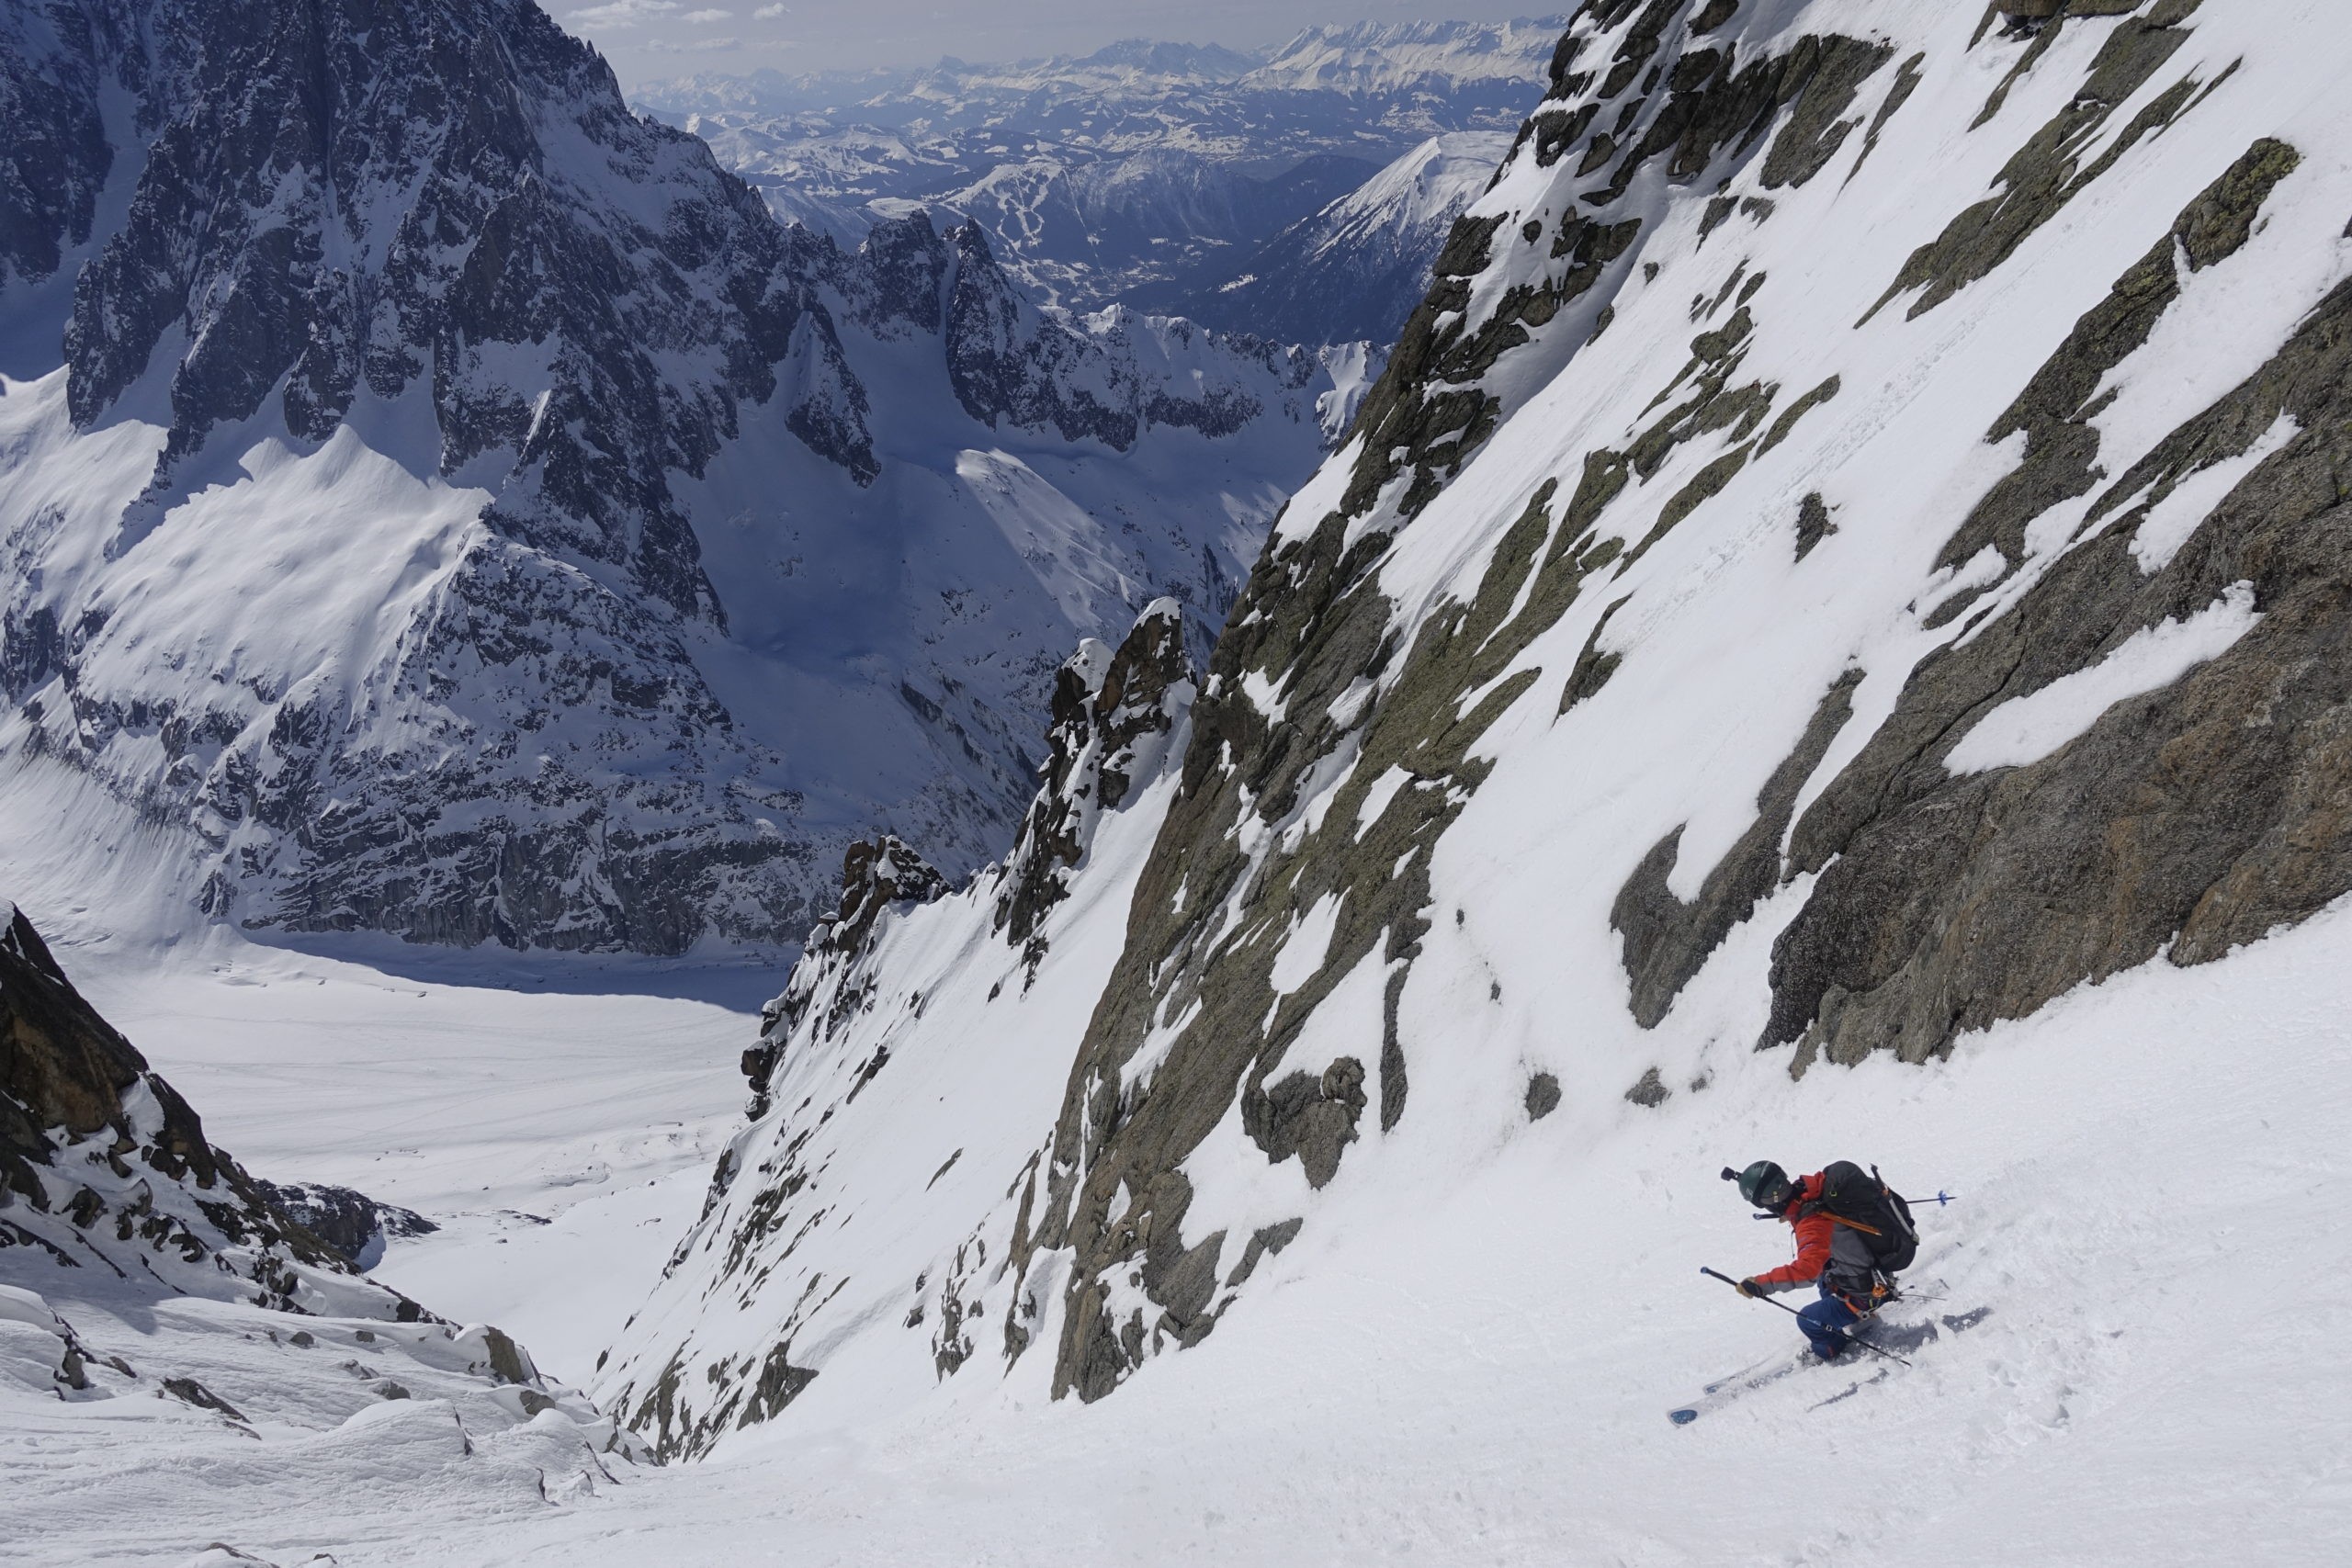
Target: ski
1902,1338
1723,1390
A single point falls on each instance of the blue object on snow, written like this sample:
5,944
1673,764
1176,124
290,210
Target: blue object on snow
1825,1324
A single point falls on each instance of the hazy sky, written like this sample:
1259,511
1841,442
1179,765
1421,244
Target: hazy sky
646,38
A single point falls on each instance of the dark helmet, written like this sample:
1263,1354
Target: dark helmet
1764,1184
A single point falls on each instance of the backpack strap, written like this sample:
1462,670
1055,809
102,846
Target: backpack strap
1896,1205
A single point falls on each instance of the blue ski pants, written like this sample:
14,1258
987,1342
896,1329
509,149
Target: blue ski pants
1825,1324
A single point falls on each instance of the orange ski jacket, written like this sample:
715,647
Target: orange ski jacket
1822,1248
1816,1233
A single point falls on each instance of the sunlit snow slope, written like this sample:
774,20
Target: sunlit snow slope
1827,627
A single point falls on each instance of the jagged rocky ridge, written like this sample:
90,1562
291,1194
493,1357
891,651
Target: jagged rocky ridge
1761,607
103,1165
465,513
995,964
115,1206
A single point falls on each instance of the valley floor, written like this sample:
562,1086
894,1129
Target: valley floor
2153,1203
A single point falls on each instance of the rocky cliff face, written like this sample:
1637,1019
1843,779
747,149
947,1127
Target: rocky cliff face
104,1168
465,513
819,1187
1762,607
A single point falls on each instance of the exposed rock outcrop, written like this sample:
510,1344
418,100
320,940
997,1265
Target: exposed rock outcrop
104,1167
877,874
355,1225
1314,682
2051,685
2188,820
1113,712
906,992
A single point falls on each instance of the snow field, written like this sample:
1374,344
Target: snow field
561,1139
558,1122
342,1434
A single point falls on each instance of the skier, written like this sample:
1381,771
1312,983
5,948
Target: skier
1853,1233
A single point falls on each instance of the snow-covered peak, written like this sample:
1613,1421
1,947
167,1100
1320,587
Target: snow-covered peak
1160,58
1829,647
1137,175
1423,187
1355,270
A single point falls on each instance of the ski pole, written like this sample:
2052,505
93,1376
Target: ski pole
1794,1313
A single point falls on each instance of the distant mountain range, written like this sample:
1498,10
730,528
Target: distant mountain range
1354,269
1154,175
437,501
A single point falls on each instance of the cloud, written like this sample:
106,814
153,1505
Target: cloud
615,15
693,46
711,15
770,13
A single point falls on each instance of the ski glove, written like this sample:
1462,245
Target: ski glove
1751,1288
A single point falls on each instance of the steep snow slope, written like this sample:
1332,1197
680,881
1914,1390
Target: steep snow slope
1476,1367
1583,764
1470,1361
463,512
1010,962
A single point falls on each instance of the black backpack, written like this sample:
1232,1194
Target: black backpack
1876,1211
